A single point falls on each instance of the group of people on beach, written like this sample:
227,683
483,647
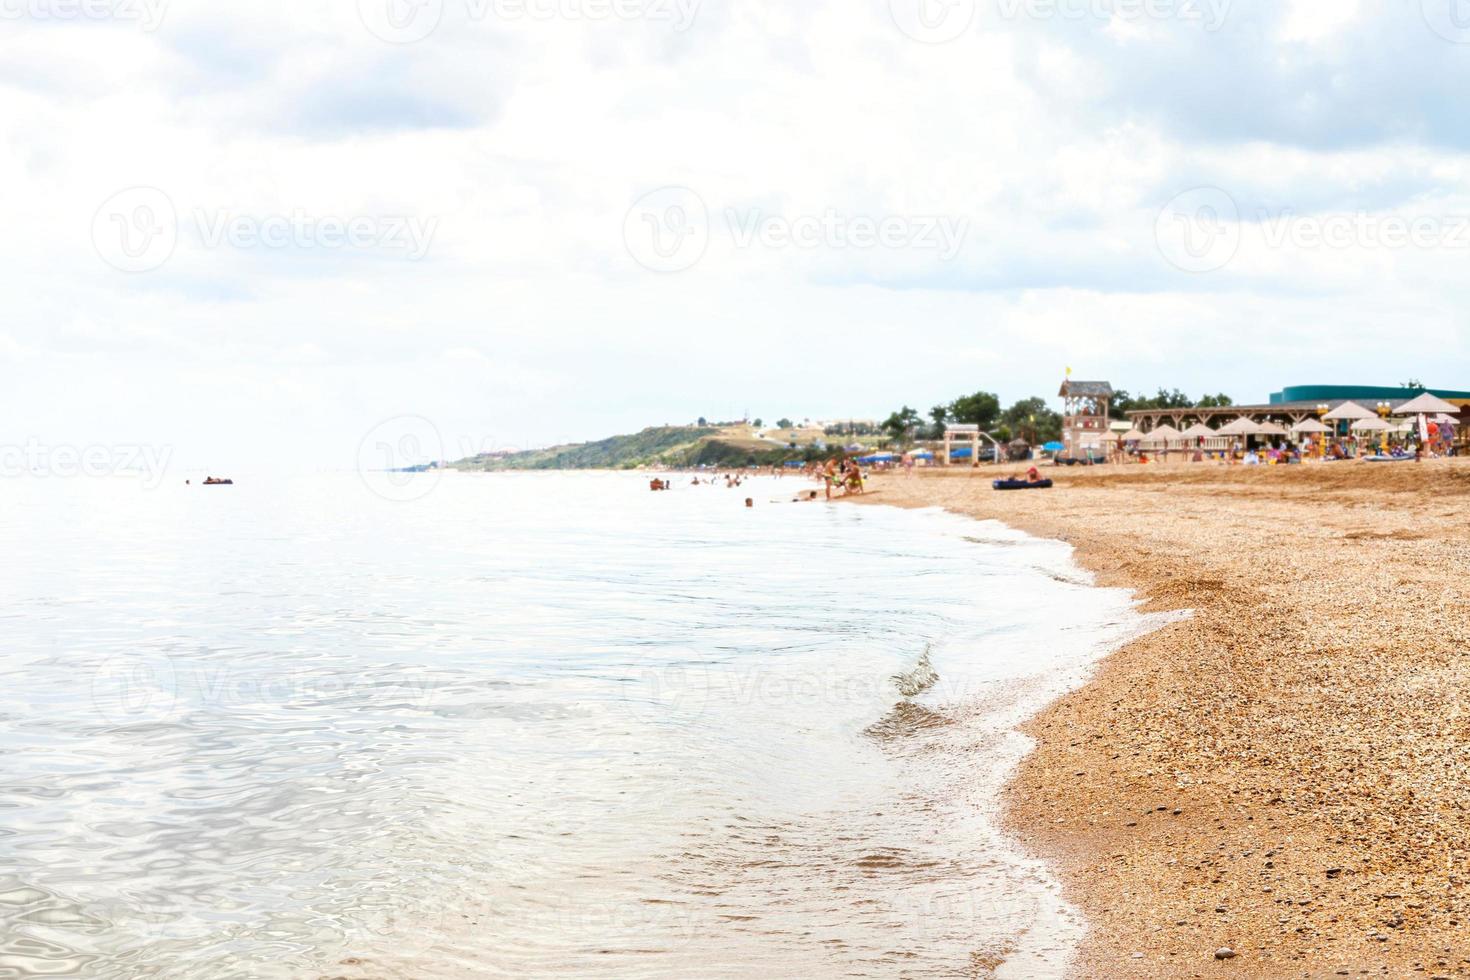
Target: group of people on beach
846,475
836,473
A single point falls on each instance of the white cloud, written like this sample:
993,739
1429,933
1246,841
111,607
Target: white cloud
1055,141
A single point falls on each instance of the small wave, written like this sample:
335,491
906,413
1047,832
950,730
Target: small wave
918,678
905,719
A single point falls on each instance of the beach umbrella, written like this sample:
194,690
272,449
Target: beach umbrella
1351,411
1134,435
1199,431
1270,429
1310,427
1427,404
1373,425
1240,427
1162,435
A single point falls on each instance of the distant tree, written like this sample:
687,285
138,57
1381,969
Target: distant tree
1033,420
1414,384
785,424
938,415
702,422
1215,401
982,409
902,423
756,423
1124,402
1173,399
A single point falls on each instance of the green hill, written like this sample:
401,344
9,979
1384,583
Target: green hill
671,445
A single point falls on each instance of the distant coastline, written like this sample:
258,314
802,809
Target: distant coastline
674,446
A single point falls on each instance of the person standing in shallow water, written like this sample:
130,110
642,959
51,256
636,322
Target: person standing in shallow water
829,475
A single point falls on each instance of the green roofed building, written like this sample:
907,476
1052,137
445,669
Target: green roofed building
1294,404
1360,393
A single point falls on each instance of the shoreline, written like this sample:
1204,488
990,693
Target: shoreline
1282,773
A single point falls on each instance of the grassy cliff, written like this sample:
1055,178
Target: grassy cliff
669,445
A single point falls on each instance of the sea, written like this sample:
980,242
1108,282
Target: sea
523,725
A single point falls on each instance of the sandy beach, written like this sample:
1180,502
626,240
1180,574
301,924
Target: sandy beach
1284,773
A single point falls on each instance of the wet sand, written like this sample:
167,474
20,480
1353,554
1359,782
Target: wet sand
1287,772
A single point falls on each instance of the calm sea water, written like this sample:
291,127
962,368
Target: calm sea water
539,725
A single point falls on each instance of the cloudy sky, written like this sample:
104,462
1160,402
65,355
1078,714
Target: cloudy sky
259,233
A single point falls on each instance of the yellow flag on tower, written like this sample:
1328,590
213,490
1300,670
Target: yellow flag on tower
1069,372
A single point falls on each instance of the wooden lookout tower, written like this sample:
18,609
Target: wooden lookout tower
1085,421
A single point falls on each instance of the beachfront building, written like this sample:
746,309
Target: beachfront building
1293,405
1086,428
1346,412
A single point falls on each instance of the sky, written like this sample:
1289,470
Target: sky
294,232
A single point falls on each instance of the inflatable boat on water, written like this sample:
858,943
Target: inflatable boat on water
1021,485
